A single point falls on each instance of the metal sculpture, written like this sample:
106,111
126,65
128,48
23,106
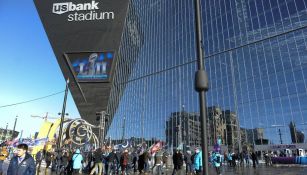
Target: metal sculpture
79,132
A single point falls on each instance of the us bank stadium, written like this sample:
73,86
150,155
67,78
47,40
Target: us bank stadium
137,62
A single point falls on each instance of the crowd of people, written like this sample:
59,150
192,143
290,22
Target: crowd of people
107,161
101,161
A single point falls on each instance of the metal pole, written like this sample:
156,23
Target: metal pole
124,128
201,85
14,127
280,136
99,136
7,124
103,114
62,115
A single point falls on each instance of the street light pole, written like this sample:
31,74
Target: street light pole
14,127
201,86
59,145
102,119
279,132
7,124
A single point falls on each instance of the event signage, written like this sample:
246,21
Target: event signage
82,11
90,66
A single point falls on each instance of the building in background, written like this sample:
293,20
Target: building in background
183,128
7,134
296,135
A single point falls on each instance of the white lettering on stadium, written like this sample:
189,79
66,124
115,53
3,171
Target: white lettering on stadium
64,7
92,15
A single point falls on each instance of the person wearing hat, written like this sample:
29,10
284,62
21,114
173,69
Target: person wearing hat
3,156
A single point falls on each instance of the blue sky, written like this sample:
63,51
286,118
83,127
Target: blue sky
28,68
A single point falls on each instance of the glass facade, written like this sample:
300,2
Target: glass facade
256,59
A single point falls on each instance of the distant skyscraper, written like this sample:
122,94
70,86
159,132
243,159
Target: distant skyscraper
183,128
296,136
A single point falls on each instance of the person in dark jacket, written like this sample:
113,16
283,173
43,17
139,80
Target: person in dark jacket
254,158
124,159
188,161
141,163
39,158
48,159
112,162
98,162
23,163
177,161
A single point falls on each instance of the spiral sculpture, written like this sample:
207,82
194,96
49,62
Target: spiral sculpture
80,132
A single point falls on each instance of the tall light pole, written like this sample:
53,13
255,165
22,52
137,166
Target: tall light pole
279,133
102,119
7,124
59,145
201,86
14,127
124,129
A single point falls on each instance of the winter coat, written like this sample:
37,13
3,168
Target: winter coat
39,156
112,157
124,159
26,167
178,159
216,159
141,162
77,159
158,158
48,157
197,161
98,155
187,158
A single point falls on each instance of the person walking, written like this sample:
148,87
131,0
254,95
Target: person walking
77,159
23,163
98,162
65,162
48,159
188,162
3,155
177,161
147,158
124,161
197,163
112,162
254,158
38,160
246,157
141,163
158,162
216,161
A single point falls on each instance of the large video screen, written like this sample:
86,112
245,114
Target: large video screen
91,66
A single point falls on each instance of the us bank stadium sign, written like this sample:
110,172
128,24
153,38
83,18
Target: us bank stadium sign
89,11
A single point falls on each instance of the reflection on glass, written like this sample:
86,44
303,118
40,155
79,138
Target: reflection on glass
256,62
